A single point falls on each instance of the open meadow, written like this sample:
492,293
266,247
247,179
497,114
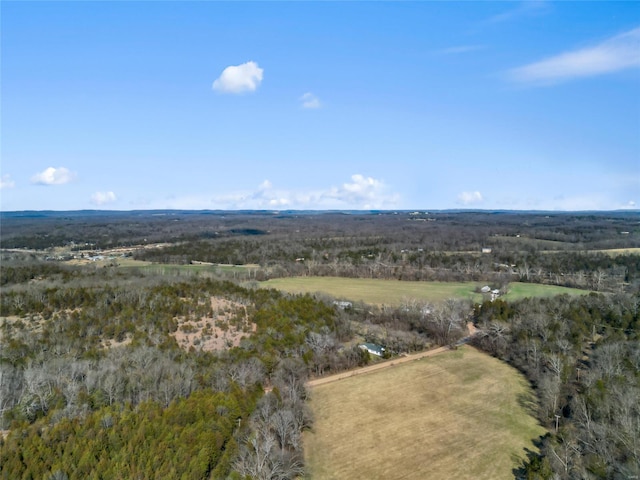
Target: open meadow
396,292
200,268
461,414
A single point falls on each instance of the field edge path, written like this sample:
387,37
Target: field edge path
390,363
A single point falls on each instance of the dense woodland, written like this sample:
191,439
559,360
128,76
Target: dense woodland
554,248
94,384
55,368
583,357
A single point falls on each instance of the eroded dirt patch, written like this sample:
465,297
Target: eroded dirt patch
225,328
31,324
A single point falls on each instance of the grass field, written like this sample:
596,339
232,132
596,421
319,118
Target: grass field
620,251
518,290
179,269
395,292
461,414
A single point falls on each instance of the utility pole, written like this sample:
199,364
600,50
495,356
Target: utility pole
557,418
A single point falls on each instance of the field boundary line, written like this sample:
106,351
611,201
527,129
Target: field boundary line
394,361
377,367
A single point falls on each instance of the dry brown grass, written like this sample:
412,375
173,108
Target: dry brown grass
461,414
620,251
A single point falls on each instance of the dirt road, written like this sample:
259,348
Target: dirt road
390,363
376,367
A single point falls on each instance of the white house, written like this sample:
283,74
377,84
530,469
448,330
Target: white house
373,349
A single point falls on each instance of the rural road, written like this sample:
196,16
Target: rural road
390,363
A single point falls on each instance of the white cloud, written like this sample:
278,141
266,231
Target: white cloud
365,191
470,198
239,78
6,182
266,185
361,193
309,100
615,54
53,176
101,198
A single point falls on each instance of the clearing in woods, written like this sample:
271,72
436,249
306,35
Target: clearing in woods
461,414
396,292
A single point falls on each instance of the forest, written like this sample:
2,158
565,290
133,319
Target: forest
107,368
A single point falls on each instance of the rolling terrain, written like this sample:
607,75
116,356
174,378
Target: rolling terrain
461,414
396,293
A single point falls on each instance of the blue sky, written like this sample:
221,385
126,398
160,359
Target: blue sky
320,105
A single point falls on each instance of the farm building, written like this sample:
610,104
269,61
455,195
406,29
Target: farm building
343,305
373,349
495,293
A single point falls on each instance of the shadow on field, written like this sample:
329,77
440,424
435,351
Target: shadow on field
532,462
527,401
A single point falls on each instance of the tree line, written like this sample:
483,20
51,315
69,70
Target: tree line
58,373
440,230
596,271
59,381
582,355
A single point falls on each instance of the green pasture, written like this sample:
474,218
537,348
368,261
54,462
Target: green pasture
518,290
396,292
